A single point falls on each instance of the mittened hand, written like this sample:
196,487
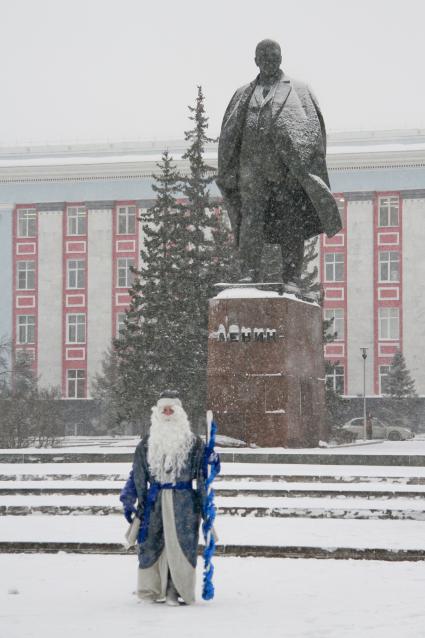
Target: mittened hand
129,515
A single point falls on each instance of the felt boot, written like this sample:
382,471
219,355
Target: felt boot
172,596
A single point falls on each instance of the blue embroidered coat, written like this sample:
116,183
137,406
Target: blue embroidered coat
188,503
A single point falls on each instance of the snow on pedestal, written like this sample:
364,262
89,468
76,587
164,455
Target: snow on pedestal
266,368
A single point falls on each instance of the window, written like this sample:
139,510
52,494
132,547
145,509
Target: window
76,328
383,379
336,328
124,275
76,381
334,267
335,379
76,268
76,220
388,211
389,265
25,275
27,222
389,323
126,220
25,331
120,324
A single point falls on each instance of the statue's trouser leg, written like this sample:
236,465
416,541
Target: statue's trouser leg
292,258
251,236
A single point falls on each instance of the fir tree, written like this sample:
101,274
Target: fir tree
151,346
399,382
187,249
210,253
198,207
308,282
107,390
402,406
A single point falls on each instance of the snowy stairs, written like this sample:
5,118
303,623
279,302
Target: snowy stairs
290,510
270,495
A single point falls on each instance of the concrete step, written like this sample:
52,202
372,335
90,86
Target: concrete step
63,477
242,500
242,505
387,536
66,457
229,471
341,512
281,551
228,478
303,478
228,492
329,457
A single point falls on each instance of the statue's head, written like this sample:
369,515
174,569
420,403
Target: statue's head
268,57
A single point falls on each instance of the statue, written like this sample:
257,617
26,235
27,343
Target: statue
272,168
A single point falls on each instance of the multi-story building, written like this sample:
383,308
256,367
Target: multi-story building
69,233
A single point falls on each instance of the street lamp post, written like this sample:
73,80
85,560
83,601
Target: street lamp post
364,355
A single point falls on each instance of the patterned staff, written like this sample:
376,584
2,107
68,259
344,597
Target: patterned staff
211,469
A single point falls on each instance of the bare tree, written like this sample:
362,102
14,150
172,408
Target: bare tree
28,415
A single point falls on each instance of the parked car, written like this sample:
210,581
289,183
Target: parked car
380,430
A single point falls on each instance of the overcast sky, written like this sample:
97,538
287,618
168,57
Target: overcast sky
110,70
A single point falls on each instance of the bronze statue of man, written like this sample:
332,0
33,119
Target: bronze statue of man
272,167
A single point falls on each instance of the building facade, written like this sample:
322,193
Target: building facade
69,234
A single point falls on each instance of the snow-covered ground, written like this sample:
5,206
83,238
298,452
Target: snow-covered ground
80,596
231,530
74,596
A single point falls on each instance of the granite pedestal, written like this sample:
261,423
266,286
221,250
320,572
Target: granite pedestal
266,381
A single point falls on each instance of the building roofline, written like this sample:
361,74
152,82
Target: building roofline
347,150
157,146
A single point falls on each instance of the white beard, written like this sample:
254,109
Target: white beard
169,444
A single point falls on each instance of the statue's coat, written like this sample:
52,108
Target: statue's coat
300,139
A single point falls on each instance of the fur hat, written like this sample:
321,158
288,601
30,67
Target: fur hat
169,397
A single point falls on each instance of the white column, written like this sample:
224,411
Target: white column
6,277
360,290
50,298
99,290
413,282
